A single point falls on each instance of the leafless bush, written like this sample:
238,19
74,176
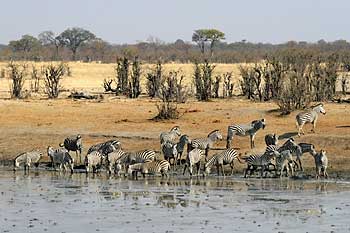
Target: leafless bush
203,80
344,85
17,74
247,83
35,80
134,83
154,79
107,85
52,78
216,85
227,88
122,72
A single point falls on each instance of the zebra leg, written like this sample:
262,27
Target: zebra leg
231,165
313,126
301,167
217,169
245,171
206,154
184,169
252,137
325,174
190,168
198,167
222,170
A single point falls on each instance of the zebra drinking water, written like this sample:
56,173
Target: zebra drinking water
245,130
219,160
152,167
105,147
61,157
309,116
27,159
205,143
74,143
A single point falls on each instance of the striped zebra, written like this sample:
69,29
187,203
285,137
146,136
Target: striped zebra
321,163
61,157
180,146
304,148
170,152
309,116
262,161
271,139
142,156
27,159
113,160
219,160
74,143
94,161
284,161
245,130
105,147
152,167
170,136
194,157
205,143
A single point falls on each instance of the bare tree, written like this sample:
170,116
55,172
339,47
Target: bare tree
203,80
134,83
52,79
154,79
35,80
17,74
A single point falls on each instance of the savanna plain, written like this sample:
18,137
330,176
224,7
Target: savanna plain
42,200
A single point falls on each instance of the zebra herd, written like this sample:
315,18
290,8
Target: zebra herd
110,154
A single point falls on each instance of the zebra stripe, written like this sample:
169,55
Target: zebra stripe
74,143
140,157
170,136
284,161
105,147
321,163
170,152
259,160
113,159
93,160
193,158
245,130
205,143
309,116
221,159
153,167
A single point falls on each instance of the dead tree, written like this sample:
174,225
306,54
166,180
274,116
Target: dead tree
227,89
203,80
122,72
35,80
52,79
216,85
17,73
154,80
134,83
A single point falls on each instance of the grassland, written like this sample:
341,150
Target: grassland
38,122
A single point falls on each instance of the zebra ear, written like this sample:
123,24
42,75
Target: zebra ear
263,120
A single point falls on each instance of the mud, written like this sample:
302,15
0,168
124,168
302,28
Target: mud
43,201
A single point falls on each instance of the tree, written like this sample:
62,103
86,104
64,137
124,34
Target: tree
49,38
73,38
26,44
201,36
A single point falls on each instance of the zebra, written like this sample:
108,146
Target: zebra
284,161
170,136
219,160
152,167
62,157
170,152
194,157
271,139
259,160
139,157
205,143
27,159
113,159
180,146
74,143
105,147
245,130
295,149
304,148
309,116
93,160
321,163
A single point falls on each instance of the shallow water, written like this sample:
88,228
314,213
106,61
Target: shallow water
55,202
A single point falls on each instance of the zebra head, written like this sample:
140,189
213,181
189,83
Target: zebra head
78,136
185,139
207,169
258,124
319,109
50,151
215,135
176,129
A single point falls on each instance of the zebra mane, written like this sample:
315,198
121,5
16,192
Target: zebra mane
317,105
175,127
212,132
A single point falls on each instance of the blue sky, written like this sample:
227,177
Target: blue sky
135,20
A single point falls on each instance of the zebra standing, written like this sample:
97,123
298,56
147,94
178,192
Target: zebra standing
271,139
74,143
152,167
205,143
27,159
113,160
61,157
171,135
194,157
245,130
105,147
259,160
180,146
139,157
304,148
170,152
284,161
309,116
321,163
93,160
219,160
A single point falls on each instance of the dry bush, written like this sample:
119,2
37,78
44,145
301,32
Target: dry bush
122,73
35,80
107,85
134,83
52,78
203,80
17,74
216,85
154,79
227,86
